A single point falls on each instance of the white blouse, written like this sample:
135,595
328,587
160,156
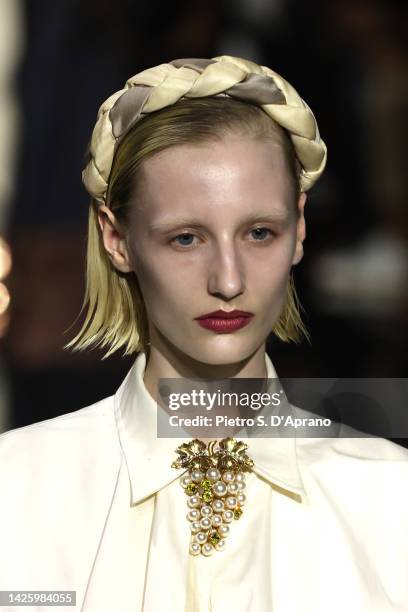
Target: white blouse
324,526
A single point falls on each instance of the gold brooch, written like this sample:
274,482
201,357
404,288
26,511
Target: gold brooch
214,487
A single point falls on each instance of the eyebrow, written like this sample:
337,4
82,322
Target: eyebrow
195,222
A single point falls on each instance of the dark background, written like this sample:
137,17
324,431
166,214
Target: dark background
347,59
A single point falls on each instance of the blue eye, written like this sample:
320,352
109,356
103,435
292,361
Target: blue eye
186,239
260,233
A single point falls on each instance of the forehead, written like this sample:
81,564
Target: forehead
230,174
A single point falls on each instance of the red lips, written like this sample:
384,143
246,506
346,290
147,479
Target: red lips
223,314
223,322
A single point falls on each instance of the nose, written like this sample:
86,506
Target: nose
226,277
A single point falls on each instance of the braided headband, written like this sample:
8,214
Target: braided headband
163,85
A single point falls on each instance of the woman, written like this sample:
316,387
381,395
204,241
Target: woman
198,171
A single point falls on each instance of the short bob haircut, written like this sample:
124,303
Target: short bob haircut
116,315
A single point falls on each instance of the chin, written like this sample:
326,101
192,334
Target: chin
222,352
211,350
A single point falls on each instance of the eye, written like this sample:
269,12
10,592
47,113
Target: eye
185,239
261,233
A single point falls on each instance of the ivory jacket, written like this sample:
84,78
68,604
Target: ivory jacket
89,503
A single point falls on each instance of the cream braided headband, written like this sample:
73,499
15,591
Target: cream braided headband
163,85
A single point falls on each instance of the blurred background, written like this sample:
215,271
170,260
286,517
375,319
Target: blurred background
60,60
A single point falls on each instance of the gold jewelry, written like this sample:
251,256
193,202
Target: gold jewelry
214,486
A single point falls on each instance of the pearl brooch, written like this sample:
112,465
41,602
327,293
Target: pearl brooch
214,488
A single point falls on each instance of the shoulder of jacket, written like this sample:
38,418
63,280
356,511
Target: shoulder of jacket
342,440
57,480
347,444
72,434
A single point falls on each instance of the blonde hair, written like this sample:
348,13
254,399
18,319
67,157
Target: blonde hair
116,315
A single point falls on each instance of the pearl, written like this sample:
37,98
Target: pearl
193,501
205,523
232,488
216,520
241,499
220,545
200,537
195,526
218,505
195,548
207,549
213,474
239,477
223,530
241,486
220,488
227,516
228,476
185,481
196,476
193,515
206,511
231,502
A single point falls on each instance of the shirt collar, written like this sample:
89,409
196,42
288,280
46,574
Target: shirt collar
148,458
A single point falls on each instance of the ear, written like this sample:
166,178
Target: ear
114,239
300,230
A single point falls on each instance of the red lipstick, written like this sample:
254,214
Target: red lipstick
225,322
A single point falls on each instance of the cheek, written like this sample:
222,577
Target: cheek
270,281
274,266
165,289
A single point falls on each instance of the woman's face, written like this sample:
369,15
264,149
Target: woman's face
214,227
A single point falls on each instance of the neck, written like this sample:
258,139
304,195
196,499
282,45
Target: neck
161,363
164,363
